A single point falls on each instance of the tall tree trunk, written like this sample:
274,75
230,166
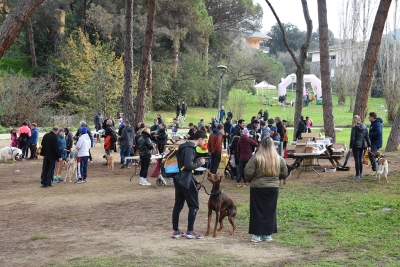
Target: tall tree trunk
150,82
300,64
83,23
394,137
175,56
143,74
14,22
31,43
128,61
364,84
327,104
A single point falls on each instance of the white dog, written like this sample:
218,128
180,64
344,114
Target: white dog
15,153
72,163
383,168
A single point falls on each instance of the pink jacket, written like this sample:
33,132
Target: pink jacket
24,129
14,140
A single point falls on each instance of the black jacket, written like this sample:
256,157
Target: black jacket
236,131
359,135
266,115
186,160
105,124
178,108
227,127
68,139
301,128
281,130
230,115
145,146
162,137
50,148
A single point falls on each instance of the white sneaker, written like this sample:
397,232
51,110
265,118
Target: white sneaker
141,181
145,182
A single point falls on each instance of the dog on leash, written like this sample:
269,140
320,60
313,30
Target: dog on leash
110,162
15,153
222,204
72,164
383,167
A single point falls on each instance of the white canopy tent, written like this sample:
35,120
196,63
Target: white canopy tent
264,86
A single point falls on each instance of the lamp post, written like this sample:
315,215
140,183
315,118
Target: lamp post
221,71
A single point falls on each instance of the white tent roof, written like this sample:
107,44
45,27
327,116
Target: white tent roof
265,85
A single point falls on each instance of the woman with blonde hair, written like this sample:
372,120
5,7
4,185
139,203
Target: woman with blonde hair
359,141
263,171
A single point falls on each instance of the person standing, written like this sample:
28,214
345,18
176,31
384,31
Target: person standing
178,109
245,151
301,128
126,140
23,136
237,130
215,147
263,172
68,140
308,124
286,135
83,147
375,136
190,133
266,114
265,130
227,129
159,119
359,139
109,117
145,147
175,127
161,138
200,124
51,153
222,114
279,127
62,146
213,123
33,140
186,186
98,120
230,115
184,109
14,138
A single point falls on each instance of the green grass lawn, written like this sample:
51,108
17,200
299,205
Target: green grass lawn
343,115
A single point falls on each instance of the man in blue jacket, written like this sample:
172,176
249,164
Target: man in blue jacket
375,135
32,141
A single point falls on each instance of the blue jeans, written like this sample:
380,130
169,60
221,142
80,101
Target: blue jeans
83,167
240,172
125,152
374,149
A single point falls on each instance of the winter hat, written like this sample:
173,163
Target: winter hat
245,131
83,130
273,128
271,121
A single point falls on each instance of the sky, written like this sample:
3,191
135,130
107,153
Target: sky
292,11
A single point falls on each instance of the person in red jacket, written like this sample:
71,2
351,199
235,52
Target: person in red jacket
245,152
215,147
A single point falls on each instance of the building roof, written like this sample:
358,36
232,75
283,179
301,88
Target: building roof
331,48
258,35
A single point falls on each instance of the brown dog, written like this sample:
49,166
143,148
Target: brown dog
110,162
37,153
222,204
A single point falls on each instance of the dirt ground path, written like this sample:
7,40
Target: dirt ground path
107,216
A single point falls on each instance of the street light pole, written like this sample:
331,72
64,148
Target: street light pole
221,71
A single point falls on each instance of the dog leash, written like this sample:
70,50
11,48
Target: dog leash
212,194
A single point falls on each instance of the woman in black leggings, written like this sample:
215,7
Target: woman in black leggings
145,147
359,141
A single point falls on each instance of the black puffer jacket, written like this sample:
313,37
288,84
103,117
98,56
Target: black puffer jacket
162,137
359,134
145,146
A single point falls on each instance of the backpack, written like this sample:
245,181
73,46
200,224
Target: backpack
169,165
23,137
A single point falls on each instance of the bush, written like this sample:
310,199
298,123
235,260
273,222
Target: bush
23,97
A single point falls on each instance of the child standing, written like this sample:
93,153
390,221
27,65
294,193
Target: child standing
62,145
14,138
